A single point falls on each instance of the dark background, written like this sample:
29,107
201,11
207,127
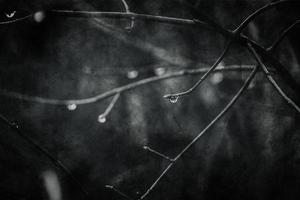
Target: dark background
252,153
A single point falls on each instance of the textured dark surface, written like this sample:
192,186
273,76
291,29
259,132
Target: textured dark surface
252,153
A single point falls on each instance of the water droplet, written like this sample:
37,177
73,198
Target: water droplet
39,16
160,71
173,99
72,106
145,147
132,74
109,186
217,78
251,85
101,119
10,15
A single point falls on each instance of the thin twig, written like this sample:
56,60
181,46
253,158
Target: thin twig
130,86
271,79
110,106
205,130
157,153
211,69
261,10
127,10
282,35
45,152
16,20
118,192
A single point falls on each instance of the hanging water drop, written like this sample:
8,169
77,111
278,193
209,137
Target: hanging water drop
101,119
39,16
174,99
72,106
132,74
160,71
145,147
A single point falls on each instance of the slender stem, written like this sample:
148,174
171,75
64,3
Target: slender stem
118,192
16,20
45,152
130,86
282,35
271,79
158,153
205,130
261,10
211,69
111,105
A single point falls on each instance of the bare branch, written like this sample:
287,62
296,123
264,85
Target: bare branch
102,117
130,86
17,19
240,28
44,152
158,153
271,79
118,191
205,130
127,10
282,35
211,69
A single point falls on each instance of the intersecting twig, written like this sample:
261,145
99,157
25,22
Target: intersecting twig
271,79
261,10
211,69
213,122
282,35
102,117
158,153
130,86
127,10
46,153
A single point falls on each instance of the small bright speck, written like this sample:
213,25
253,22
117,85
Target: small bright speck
160,71
72,107
101,119
39,16
132,74
217,78
145,147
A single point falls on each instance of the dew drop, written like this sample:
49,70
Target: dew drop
132,74
217,78
101,119
39,16
72,106
174,99
145,147
160,71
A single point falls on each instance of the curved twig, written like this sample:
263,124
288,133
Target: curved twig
261,10
127,10
213,122
211,69
282,35
130,86
271,79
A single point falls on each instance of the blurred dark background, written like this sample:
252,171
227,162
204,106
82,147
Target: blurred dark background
252,153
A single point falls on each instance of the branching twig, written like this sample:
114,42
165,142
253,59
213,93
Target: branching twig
213,122
282,35
211,69
130,86
45,152
261,10
109,107
158,153
271,79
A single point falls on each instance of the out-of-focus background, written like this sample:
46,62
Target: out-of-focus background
252,153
